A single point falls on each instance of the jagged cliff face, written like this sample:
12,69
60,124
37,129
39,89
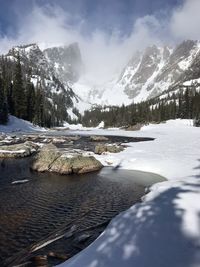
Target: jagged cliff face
66,62
142,77
147,75
157,69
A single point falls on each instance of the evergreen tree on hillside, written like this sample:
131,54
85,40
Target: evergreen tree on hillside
3,105
1,93
10,98
30,98
4,114
39,107
19,92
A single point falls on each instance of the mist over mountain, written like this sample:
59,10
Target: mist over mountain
147,74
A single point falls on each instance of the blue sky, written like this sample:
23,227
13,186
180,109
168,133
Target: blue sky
109,32
97,14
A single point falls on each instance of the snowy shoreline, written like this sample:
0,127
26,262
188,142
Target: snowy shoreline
163,230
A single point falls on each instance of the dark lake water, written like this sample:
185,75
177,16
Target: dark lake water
72,209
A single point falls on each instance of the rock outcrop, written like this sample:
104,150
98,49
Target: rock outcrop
98,138
52,159
101,148
18,150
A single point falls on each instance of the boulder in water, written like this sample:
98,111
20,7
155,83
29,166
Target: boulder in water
98,138
51,159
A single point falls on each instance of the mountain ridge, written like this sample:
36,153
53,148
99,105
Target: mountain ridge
147,74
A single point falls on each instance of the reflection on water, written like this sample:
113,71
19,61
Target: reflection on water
49,203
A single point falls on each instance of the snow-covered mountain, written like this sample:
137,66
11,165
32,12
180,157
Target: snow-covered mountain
46,73
66,61
147,74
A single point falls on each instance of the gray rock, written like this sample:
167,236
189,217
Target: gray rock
98,138
53,160
44,159
101,148
18,151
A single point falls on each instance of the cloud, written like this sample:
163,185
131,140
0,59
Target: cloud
185,21
103,53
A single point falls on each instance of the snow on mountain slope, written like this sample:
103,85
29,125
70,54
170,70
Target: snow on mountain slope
159,69
108,93
131,84
146,75
66,61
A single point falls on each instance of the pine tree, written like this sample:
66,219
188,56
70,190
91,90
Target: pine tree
3,105
30,98
4,114
1,94
19,92
10,98
39,107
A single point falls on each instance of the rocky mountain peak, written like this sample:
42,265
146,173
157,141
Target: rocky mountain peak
31,55
66,61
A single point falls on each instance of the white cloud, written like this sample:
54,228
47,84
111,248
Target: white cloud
103,54
185,21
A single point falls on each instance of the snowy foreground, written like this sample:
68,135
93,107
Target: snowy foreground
163,230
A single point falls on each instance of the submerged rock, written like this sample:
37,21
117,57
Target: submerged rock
18,151
98,138
101,148
53,160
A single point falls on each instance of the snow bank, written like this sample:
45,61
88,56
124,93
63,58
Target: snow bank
163,230
80,127
16,125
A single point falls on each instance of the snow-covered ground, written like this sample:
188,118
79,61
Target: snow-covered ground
163,230
79,127
19,125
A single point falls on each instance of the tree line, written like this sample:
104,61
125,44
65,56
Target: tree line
185,104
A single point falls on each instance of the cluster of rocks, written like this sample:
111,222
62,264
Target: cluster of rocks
18,150
51,139
51,156
10,140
